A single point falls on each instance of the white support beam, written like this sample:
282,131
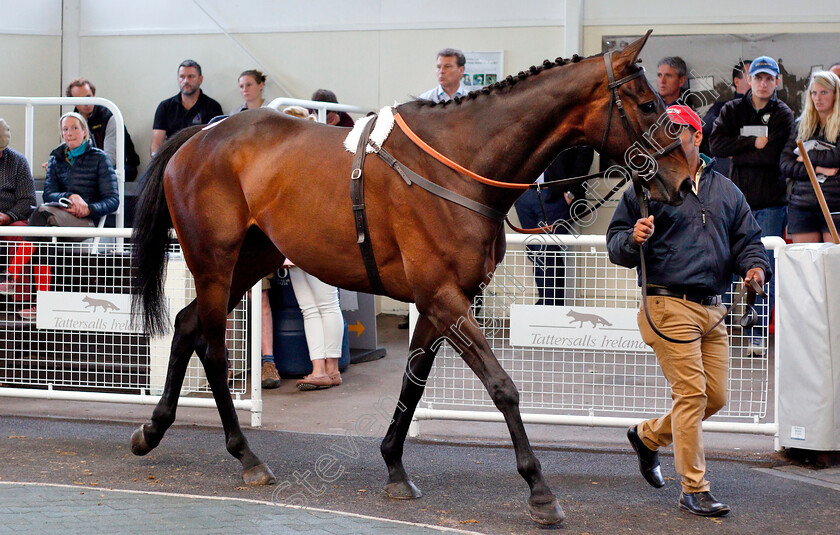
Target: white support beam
71,47
573,29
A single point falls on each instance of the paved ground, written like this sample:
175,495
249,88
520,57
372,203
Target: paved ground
466,487
466,471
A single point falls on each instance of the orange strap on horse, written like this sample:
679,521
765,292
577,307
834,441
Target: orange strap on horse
449,163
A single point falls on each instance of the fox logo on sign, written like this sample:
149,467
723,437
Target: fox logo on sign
594,319
96,303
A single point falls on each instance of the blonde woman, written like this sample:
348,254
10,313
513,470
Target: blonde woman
820,123
80,187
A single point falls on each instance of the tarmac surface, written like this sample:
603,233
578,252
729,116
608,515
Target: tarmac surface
330,473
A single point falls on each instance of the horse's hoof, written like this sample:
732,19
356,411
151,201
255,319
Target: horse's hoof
139,446
546,514
403,490
259,475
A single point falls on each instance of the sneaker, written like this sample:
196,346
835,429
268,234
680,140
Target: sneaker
270,377
28,314
9,286
756,347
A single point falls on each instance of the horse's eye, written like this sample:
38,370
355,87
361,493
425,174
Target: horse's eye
648,107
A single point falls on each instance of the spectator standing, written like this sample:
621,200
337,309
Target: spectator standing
553,208
671,72
690,260
251,86
753,131
740,86
103,131
190,107
450,67
820,123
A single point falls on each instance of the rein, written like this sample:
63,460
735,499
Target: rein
615,101
747,320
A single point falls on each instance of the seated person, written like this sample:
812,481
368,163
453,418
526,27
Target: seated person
334,118
17,197
81,174
17,189
102,129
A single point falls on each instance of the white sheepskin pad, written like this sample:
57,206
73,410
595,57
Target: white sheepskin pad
383,126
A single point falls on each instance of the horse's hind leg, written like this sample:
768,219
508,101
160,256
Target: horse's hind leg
421,356
148,436
470,342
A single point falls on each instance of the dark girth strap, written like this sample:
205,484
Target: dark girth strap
357,196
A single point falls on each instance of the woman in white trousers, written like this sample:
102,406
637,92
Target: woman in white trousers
323,327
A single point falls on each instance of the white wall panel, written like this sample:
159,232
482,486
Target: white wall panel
33,17
108,17
36,68
650,12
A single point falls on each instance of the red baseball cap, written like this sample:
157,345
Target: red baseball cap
684,115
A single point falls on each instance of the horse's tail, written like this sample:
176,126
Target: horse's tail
150,239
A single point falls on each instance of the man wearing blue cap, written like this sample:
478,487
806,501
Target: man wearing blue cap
753,132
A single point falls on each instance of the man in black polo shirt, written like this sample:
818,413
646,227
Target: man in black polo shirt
188,108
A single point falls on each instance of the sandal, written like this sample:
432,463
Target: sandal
335,379
314,382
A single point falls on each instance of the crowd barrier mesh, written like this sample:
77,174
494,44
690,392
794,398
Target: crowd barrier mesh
94,359
587,382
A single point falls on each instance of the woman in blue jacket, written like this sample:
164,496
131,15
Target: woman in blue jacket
82,178
80,173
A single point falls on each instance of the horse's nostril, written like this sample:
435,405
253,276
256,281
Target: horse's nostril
685,188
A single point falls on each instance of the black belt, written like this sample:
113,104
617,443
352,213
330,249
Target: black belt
705,300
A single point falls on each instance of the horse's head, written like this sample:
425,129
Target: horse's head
637,132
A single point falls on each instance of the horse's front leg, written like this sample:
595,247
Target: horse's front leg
449,312
421,356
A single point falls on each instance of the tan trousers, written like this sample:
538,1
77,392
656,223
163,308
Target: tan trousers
697,373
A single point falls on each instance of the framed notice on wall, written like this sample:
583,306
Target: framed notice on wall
483,68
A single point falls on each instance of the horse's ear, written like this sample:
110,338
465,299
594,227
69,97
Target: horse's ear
631,53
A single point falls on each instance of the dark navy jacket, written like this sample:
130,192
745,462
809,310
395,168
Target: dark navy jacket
696,246
91,176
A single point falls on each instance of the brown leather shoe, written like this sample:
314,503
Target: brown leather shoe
270,377
314,382
335,379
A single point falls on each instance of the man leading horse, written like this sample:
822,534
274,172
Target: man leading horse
690,257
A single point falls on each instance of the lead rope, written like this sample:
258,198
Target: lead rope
749,315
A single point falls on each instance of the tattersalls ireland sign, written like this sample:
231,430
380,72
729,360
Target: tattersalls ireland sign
82,311
562,327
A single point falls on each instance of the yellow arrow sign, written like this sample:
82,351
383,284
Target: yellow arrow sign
358,328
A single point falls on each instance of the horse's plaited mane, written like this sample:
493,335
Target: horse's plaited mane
509,81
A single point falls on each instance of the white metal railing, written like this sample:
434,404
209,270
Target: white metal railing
612,388
29,136
322,107
92,364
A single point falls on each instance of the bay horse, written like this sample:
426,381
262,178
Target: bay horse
262,186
